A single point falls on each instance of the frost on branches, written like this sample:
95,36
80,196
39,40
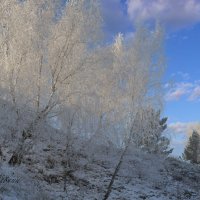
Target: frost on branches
62,87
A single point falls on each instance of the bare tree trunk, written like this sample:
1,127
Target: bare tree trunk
1,153
117,168
17,156
18,153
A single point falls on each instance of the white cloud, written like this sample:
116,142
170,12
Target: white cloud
195,93
178,91
189,90
185,37
183,75
184,128
179,133
175,13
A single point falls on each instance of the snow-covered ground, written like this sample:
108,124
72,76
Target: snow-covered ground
142,175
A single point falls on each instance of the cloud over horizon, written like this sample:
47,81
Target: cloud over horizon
184,127
174,14
179,133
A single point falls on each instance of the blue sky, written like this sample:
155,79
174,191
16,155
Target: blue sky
183,61
181,20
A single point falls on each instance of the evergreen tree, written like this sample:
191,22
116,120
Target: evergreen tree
151,137
162,141
192,150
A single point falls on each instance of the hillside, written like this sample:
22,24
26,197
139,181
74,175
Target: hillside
42,174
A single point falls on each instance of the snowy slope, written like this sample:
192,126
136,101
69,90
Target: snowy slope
142,175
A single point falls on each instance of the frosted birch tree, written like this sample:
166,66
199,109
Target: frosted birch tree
50,61
140,67
42,54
